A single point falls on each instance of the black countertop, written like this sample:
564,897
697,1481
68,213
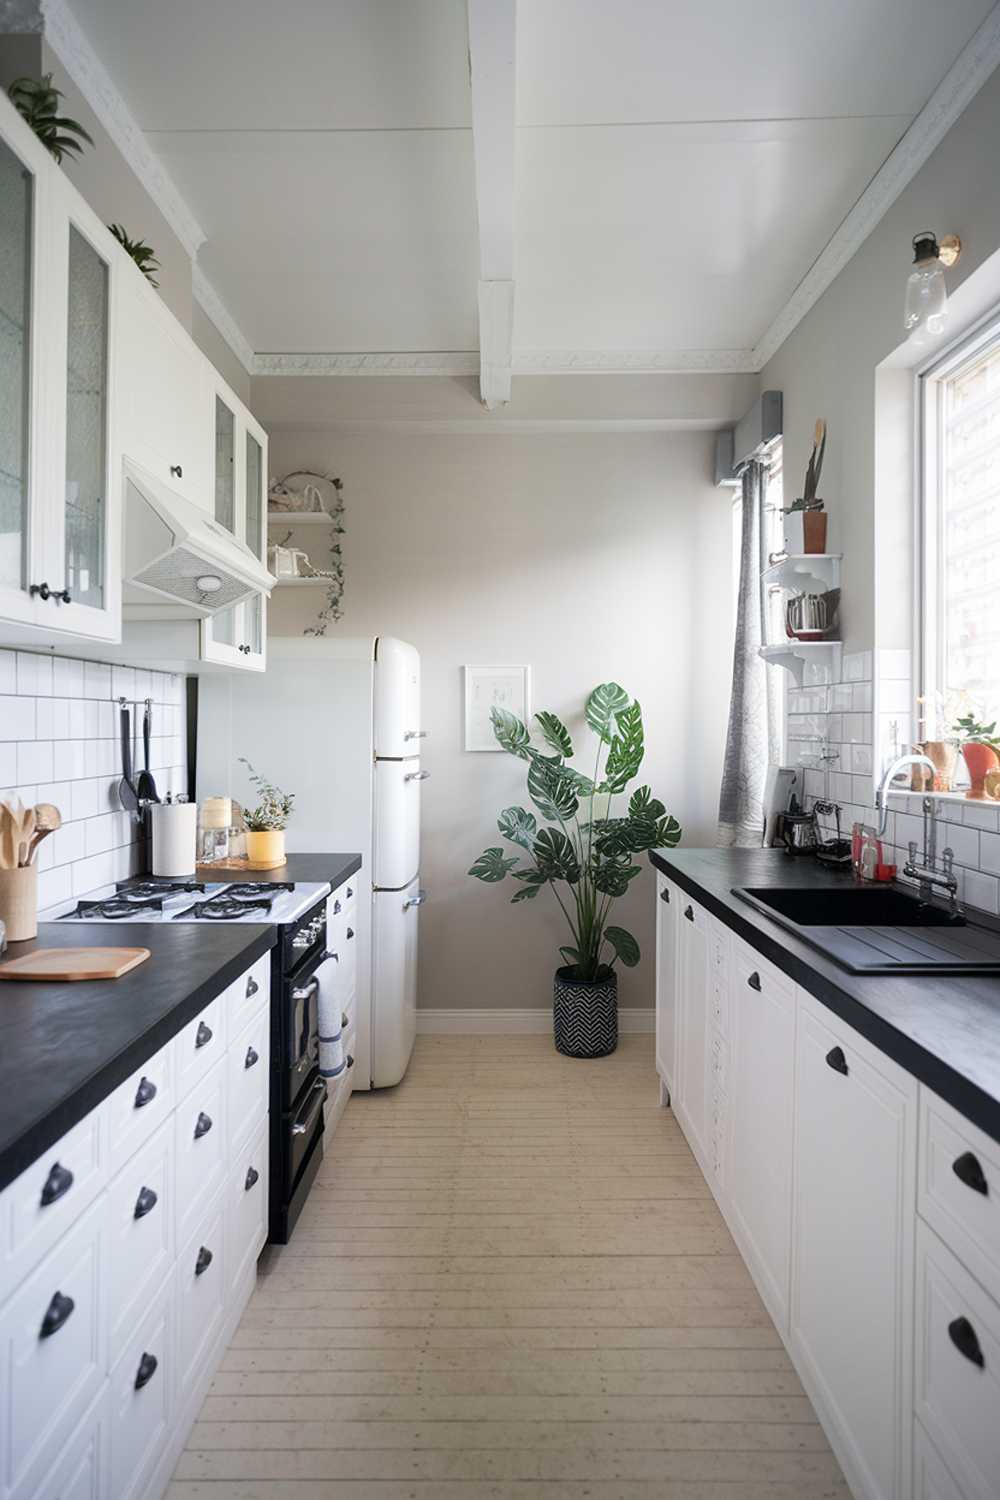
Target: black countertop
65,1047
334,868
945,1030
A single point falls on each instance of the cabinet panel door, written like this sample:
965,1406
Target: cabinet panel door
692,1092
759,1154
667,899
853,1224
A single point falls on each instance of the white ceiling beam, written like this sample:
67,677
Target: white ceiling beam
491,72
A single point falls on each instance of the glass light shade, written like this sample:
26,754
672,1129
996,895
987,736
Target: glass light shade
925,314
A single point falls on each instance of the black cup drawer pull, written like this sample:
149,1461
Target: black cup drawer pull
754,981
203,1036
689,913
665,895
252,986
963,1336
145,1203
203,1262
350,932
56,1314
147,1369
967,1169
203,1125
252,1177
145,1093
836,1060
57,1184
251,1058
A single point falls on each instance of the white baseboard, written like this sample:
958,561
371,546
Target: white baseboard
514,1022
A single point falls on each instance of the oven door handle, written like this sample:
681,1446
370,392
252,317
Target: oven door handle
306,1118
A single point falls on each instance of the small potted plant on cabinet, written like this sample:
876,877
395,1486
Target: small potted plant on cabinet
266,822
586,855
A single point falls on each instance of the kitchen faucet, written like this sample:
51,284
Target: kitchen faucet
926,873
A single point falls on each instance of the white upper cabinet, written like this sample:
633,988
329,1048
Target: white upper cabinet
236,637
60,501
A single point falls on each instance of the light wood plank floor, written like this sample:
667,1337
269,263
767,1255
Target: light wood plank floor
510,1281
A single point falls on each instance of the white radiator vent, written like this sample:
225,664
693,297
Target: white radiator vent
177,551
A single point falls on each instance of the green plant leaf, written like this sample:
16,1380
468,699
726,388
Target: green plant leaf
625,946
532,882
493,865
611,836
556,857
556,734
571,955
582,785
518,825
612,878
642,804
604,705
626,752
510,733
668,833
551,792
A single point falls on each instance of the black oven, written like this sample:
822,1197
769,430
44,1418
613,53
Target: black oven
298,1092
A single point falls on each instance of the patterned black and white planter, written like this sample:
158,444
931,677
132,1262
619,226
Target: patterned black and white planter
585,1014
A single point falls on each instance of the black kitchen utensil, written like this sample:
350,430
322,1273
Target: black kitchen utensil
127,794
145,785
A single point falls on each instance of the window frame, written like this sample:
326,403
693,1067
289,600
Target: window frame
966,350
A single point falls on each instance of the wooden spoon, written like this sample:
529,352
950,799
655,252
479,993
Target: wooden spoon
48,819
9,824
25,834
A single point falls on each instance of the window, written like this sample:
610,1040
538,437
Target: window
960,564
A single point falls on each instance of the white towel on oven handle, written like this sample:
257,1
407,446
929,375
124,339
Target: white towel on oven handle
331,1046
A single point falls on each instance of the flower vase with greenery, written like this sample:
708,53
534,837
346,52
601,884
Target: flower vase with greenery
266,822
980,747
584,852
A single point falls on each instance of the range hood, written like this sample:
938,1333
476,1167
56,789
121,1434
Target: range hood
176,552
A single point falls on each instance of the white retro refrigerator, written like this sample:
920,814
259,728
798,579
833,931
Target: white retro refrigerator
338,723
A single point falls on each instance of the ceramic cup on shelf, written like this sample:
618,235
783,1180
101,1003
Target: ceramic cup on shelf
19,903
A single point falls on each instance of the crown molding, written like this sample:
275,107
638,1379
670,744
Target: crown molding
423,363
490,424
216,310
632,361
91,77
974,65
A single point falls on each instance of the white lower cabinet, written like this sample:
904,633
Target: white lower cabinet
667,898
691,1101
852,1253
110,1335
759,1152
931,1478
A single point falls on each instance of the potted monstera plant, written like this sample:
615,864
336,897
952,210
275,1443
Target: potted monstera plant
584,851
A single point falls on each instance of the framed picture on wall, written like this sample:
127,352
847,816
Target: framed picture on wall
487,688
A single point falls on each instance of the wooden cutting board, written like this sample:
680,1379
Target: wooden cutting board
51,965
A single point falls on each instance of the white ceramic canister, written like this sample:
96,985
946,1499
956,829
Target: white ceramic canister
175,830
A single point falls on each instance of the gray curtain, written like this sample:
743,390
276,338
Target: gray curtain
752,740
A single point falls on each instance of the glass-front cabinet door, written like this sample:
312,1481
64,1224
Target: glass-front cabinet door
237,636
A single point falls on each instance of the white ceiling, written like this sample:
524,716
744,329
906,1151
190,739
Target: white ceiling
678,168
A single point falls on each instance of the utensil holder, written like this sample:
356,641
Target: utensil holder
19,903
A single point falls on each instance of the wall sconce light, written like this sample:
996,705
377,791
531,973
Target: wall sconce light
925,314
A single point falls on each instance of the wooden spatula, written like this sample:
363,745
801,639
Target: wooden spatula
48,819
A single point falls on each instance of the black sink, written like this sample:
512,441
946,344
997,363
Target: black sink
880,929
849,906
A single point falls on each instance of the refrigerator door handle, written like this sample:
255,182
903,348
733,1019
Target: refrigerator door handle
415,734
417,900
416,775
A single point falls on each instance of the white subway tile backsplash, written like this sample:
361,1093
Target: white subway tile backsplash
86,798
982,891
8,672
17,718
989,852
67,677
861,697
34,761
964,843
54,885
69,843
981,815
96,679
857,666
123,682
841,697
861,760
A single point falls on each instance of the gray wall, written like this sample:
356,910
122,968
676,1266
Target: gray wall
587,557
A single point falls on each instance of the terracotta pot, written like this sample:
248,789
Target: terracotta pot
266,845
814,531
944,754
979,759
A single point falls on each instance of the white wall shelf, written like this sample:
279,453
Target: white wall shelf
299,518
805,573
793,655
303,583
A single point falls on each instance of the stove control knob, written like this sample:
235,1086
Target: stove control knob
302,938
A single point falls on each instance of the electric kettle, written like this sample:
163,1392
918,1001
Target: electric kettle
798,832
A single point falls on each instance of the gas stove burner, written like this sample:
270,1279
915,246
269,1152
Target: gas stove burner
223,909
114,908
259,887
155,885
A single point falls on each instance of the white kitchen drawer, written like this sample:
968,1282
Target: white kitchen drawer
931,1479
50,1379
201,1293
246,1209
248,1061
751,968
957,1387
248,995
200,1149
143,1398
140,1243
41,1204
82,1470
140,1105
347,957
958,1191
200,1045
